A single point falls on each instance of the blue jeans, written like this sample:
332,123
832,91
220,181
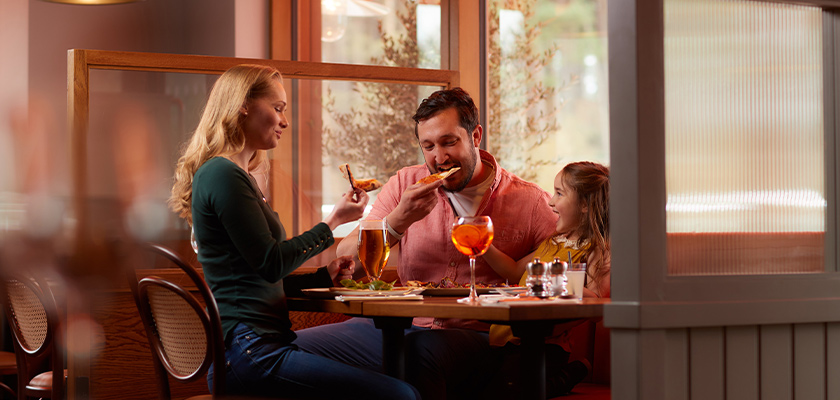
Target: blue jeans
267,367
439,362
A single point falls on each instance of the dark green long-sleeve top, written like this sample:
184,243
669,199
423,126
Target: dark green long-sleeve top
244,252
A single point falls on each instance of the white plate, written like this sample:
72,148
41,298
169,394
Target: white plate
452,292
366,292
329,293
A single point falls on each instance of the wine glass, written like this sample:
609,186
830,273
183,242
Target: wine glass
472,236
373,247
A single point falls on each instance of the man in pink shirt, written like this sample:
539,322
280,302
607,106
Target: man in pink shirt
419,218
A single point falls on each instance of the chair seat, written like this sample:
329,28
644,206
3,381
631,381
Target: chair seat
8,363
43,381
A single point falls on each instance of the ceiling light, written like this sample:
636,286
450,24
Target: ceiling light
334,14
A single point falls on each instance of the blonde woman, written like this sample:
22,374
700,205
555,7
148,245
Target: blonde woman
245,254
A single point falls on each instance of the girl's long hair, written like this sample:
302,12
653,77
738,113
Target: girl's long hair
591,182
219,132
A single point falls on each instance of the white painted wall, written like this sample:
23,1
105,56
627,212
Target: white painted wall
251,27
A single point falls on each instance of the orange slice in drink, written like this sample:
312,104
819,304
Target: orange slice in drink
471,240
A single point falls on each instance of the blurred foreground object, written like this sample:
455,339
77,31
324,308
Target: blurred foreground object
34,321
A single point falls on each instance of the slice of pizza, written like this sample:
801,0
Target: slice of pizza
365,184
438,176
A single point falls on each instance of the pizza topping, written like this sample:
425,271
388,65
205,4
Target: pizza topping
438,176
365,184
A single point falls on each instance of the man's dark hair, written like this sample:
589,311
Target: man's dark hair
441,100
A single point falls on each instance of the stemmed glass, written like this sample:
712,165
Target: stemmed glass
472,237
373,247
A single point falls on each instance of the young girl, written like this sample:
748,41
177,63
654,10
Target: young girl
581,202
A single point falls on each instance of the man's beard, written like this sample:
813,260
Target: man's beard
469,169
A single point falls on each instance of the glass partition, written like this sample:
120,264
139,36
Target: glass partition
139,122
745,164
132,113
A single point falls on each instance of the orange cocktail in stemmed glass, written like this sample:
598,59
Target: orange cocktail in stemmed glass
472,237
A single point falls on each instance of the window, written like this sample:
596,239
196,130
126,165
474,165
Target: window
402,33
744,138
547,90
369,125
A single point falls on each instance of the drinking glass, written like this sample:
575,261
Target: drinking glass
472,237
373,247
577,275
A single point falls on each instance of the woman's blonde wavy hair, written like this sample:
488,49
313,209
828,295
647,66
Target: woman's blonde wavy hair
219,132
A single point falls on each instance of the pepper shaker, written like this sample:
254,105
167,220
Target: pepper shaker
559,280
538,281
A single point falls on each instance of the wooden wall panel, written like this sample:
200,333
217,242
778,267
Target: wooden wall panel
809,361
832,367
676,364
626,373
654,365
742,362
776,362
767,362
706,368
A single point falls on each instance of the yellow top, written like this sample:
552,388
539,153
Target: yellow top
553,247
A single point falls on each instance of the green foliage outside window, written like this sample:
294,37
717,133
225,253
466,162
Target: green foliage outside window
522,106
376,135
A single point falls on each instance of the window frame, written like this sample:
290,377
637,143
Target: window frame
644,295
295,34
81,61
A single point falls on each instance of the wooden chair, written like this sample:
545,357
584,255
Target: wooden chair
8,366
185,338
32,315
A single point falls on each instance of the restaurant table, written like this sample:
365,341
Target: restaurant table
531,322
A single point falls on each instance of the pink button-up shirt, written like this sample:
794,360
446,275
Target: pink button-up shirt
521,220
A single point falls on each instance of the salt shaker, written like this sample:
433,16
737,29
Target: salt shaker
538,281
559,281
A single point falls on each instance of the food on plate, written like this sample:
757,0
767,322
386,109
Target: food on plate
438,176
448,283
365,184
375,285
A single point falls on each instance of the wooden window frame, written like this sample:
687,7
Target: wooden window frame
80,62
295,34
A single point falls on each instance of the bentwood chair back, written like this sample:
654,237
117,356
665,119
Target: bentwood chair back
185,337
32,315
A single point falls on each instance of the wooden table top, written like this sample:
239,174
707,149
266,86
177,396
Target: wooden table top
448,307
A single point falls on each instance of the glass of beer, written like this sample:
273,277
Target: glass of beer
373,247
472,237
